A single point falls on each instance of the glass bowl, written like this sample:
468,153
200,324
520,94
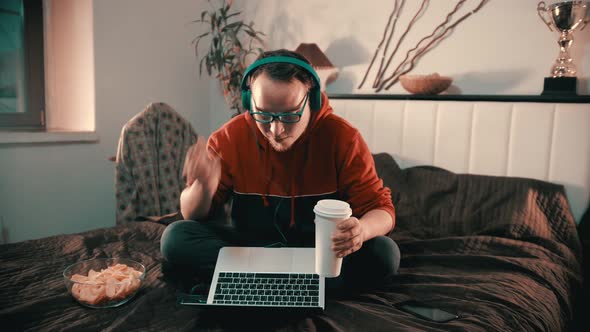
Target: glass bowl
104,282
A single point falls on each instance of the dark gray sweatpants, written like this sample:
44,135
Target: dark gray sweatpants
194,245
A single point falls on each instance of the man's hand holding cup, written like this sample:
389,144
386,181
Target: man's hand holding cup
348,237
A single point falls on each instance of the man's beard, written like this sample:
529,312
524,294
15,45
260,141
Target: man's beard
280,146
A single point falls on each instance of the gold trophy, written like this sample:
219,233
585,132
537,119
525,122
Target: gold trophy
565,17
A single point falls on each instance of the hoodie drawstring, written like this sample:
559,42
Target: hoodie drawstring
292,223
264,169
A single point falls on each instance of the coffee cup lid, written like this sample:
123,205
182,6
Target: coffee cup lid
333,208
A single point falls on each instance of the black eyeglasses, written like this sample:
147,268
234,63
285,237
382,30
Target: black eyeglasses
266,117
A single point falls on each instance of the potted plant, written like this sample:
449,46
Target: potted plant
231,41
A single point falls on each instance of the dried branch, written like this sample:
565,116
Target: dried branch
414,19
380,71
393,14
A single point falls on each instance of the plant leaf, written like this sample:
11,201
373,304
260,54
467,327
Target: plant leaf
219,21
196,39
230,26
233,14
201,66
208,65
213,21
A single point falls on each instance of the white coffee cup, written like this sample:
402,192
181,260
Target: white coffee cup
328,212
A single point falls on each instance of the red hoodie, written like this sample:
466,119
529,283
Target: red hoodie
269,188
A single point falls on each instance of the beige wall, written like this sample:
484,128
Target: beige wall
142,53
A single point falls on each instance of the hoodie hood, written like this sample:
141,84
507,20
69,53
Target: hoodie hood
317,116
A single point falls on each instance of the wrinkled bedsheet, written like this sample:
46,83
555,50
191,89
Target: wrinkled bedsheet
502,253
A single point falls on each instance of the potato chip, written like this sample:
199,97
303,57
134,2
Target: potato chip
113,283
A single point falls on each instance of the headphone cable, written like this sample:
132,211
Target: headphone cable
274,220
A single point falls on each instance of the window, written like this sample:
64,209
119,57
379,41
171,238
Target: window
22,90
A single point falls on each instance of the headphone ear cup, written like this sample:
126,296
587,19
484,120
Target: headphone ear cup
315,99
246,99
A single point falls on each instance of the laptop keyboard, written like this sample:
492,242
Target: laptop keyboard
268,289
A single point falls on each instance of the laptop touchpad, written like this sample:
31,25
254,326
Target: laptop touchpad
271,260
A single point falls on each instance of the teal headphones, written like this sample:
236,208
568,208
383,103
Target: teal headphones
315,95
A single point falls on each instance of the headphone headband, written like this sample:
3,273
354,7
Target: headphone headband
279,59
315,95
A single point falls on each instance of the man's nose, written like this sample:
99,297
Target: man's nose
276,127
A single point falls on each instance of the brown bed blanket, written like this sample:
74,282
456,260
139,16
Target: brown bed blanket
502,253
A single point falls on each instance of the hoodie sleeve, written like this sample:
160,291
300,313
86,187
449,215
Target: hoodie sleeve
215,144
358,182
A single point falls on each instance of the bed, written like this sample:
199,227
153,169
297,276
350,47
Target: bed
501,251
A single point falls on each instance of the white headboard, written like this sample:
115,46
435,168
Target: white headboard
546,141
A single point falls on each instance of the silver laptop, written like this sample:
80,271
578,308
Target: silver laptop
264,277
